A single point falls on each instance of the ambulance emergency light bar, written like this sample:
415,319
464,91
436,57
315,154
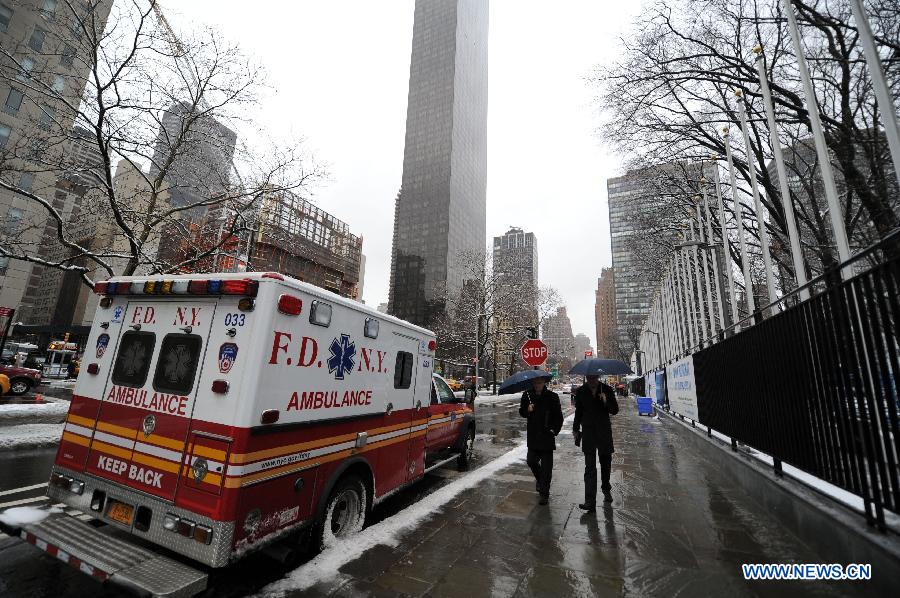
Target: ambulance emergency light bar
245,287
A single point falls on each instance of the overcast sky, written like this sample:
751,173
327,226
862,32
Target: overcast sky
341,72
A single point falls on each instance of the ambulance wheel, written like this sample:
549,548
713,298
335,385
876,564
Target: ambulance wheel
462,461
345,513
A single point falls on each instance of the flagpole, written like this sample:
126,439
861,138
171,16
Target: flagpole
786,202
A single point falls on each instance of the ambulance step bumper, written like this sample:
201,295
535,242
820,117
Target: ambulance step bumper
107,558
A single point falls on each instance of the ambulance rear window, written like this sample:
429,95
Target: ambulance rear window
177,363
403,370
133,360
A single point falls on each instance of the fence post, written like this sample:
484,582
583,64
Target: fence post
776,464
709,431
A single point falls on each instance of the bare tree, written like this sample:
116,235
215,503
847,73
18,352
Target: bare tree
497,300
672,91
160,112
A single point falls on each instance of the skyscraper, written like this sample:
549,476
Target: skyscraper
557,335
42,77
643,218
605,314
440,210
516,255
202,157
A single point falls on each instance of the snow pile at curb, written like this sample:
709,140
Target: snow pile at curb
326,564
387,533
30,435
19,516
50,412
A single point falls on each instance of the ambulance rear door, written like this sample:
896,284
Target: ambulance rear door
147,402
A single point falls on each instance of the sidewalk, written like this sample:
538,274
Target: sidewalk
676,528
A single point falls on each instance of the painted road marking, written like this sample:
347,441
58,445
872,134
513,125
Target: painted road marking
23,489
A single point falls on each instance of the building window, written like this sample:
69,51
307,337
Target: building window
59,83
4,135
5,17
36,42
13,101
67,58
47,115
37,150
13,217
49,9
27,181
27,67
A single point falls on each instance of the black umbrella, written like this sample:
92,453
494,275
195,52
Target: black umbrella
521,381
600,367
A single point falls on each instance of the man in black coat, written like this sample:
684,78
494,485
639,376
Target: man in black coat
594,403
541,406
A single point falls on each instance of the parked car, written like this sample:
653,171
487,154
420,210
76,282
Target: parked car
21,380
455,385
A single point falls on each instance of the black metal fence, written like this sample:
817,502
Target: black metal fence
815,386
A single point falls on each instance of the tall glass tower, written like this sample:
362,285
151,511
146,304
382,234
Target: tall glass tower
440,210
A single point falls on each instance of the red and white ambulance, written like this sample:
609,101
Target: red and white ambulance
215,414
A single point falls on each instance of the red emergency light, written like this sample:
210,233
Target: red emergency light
245,287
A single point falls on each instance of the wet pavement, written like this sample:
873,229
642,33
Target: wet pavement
677,527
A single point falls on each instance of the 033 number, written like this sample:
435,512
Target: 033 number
235,319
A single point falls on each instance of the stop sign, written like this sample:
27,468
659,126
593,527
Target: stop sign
534,352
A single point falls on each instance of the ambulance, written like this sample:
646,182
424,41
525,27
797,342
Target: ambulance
216,414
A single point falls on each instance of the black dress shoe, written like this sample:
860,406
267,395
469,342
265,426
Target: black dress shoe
537,487
607,497
587,507
544,500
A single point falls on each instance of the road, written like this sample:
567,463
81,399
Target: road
26,571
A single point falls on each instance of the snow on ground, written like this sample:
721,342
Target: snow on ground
18,516
326,564
30,435
33,413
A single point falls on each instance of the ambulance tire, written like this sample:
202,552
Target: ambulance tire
468,449
345,511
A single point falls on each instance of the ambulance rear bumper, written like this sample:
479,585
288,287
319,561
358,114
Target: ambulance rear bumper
109,555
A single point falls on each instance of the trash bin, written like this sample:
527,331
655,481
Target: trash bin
645,406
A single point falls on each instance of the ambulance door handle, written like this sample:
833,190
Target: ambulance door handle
418,405
389,409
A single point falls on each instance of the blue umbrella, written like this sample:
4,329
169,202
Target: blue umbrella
600,367
521,381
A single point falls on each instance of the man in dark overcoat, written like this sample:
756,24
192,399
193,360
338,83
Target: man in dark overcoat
594,403
541,406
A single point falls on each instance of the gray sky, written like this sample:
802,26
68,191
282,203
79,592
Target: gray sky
340,71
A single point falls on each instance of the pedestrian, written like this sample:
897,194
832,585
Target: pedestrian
594,403
542,408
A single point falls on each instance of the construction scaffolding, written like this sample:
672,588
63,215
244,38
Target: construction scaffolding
298,239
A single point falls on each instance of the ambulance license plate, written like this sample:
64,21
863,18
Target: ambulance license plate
119,511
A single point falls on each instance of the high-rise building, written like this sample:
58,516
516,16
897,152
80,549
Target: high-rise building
516,255
48,296
440,211
642,224
557,335
813,224
42,77
605,314
582,346
202,165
